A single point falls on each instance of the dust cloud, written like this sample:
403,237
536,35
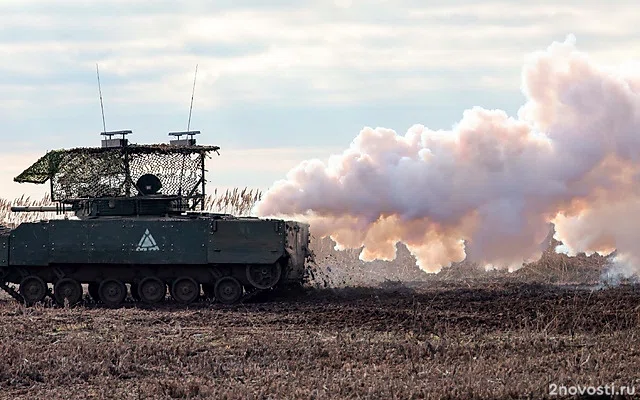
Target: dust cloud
488,189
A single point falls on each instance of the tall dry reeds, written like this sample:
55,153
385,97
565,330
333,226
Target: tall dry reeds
232,201
12,219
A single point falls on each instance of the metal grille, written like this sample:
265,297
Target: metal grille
111,172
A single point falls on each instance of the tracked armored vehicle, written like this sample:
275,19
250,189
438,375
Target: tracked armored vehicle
138,229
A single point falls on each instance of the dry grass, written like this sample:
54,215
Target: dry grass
344,268
236,201
13,219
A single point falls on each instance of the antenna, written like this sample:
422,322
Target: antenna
190,134
104,125
193,91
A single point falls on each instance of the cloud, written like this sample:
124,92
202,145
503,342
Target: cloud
278,73
288,52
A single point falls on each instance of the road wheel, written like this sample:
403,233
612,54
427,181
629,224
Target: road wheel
112,292
33,289
228,290
152,290
69,290
185,290
263,276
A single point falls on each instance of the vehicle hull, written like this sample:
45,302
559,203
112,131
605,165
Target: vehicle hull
203,247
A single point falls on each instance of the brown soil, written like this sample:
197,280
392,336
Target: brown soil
439,339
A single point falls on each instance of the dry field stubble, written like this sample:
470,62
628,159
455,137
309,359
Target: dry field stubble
497,340
462,333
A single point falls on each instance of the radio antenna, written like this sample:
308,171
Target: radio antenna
184,156
104,125
193,91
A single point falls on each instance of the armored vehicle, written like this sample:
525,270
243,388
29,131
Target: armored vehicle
139,227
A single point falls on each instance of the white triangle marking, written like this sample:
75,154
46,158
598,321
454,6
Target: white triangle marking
147,242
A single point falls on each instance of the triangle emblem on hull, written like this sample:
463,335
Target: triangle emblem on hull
147,242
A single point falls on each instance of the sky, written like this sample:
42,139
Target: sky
278,81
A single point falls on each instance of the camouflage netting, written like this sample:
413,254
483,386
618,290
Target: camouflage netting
100,172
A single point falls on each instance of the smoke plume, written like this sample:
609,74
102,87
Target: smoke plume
489,188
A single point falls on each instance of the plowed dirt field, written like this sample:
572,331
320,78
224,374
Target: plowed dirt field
493,339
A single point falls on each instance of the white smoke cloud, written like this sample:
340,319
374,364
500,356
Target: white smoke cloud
488,188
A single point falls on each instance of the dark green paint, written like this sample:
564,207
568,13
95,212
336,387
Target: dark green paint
195,241
4,250
249,241
29,244
116,241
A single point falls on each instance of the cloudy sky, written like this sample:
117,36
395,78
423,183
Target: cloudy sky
278,81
